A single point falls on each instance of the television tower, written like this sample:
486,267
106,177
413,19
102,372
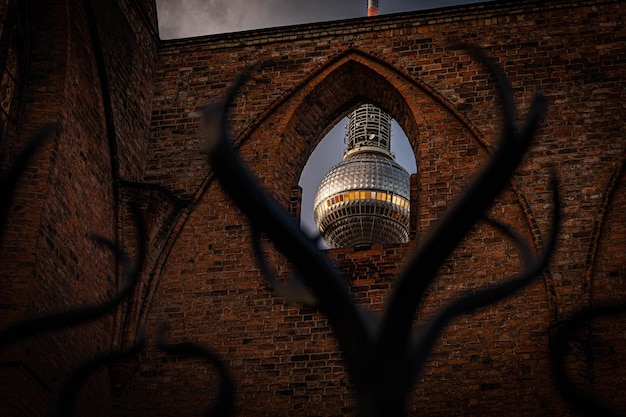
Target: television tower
364,199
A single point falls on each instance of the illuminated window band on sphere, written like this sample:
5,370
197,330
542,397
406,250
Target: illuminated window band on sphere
364,199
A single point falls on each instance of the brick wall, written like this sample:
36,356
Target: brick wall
69,191
492,362
129,105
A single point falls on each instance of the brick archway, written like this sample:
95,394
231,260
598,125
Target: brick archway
296,123
278,143
281,142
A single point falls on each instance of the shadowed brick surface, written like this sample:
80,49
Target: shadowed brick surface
200,277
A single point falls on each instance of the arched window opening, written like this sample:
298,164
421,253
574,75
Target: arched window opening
328,153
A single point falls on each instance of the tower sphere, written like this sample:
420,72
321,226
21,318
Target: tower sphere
364,199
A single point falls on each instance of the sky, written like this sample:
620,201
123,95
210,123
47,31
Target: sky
189,18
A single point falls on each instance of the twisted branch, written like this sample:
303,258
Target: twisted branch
580,401
54,321
9,179
226,393
381,359
267,216
66,404
420,271
533,265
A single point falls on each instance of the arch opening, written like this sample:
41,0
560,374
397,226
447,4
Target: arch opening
318,110
329,152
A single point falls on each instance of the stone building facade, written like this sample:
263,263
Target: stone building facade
129,106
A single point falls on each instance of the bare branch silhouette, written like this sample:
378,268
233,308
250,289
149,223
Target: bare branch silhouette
226,395
9,179
533,265
381,357
581,402
54,321
294,290
267,216
449,231
66,404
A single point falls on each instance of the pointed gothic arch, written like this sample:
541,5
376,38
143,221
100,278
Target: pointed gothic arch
279,142
296,123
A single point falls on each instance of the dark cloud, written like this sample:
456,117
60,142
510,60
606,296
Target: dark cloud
186,18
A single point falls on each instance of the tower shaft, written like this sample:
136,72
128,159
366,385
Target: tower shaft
372,7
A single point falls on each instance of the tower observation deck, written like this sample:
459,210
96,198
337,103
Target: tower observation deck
364,199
